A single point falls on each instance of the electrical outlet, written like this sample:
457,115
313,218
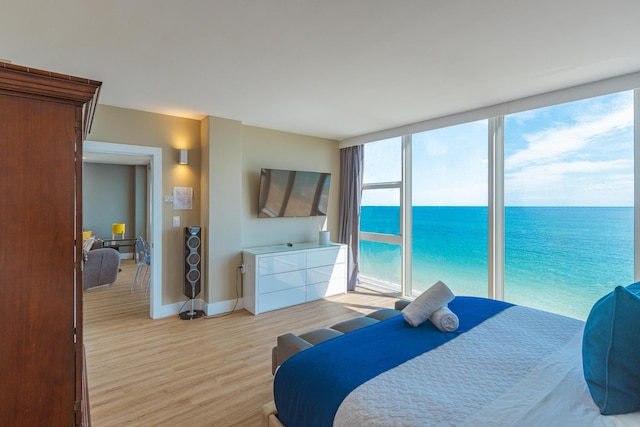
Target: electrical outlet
176,221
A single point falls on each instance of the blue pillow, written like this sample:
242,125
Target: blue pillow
634,288
611,351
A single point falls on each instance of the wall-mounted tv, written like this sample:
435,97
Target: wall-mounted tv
287,193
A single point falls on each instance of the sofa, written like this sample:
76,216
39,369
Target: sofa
290,344
101,267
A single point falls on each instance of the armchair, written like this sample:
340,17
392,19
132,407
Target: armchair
101,267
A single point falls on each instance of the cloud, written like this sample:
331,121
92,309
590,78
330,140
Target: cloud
552,145
578,183
588,162
554,173
474,194
436,148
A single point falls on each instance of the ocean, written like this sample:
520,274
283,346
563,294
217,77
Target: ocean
559,259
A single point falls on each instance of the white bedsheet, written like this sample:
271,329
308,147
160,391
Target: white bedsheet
521,367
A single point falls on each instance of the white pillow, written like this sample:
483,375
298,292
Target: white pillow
87,244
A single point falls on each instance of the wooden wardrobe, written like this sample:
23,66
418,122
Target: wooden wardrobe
44,117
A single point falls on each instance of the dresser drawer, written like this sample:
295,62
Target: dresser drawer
325,274
325,257
325,289
281,281
281,263
276,300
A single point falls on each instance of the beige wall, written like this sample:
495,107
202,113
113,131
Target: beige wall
225,158
265,148
223,142
236,154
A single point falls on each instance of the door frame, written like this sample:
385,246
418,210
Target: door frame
155,209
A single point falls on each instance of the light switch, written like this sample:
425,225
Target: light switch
176,221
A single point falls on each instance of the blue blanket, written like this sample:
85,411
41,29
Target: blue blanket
310,386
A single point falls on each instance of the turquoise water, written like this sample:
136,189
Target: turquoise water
560,259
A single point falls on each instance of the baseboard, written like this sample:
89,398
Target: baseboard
223,306
169,310
198,304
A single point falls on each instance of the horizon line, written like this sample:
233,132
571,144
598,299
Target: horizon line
506,206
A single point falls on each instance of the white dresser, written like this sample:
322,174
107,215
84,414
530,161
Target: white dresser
282,276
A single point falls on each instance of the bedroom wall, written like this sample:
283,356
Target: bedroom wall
236,153
222,175
266,148
225,157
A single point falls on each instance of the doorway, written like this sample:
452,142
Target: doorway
152,156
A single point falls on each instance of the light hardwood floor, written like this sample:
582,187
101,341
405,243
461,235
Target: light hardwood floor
206,372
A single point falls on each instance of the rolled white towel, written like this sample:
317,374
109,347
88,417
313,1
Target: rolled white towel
444,319
427,303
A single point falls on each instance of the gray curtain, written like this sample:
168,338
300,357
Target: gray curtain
351,175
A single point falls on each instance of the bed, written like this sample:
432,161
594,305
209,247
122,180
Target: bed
504,365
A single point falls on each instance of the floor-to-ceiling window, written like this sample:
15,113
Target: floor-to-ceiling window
380,238
449,197
569,203
568,206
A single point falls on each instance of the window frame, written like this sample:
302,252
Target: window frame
495,195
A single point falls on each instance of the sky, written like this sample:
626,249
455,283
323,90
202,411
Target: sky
574,154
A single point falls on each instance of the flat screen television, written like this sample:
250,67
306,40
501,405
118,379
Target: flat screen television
288,193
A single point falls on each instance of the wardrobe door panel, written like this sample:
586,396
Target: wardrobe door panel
37,228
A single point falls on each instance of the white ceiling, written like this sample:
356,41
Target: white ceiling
329,68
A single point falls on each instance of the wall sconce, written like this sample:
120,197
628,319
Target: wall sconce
183,156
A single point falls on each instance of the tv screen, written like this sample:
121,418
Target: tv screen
287,193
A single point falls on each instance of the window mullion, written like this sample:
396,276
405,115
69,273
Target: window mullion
381,237
382,185
496,208
406,209
636,187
